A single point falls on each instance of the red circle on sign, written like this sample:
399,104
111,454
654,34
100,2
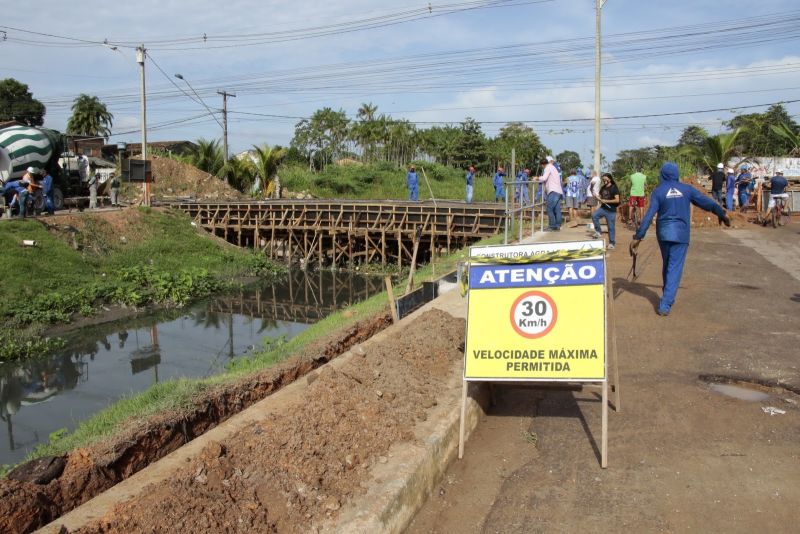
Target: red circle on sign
541,295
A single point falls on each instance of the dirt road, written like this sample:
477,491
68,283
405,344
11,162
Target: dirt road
682,457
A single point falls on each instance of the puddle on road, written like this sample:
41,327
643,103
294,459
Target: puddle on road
739,392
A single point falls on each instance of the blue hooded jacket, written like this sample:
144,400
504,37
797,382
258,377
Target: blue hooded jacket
671,201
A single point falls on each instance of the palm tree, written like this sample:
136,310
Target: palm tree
266,160
365,132
790,135
716,149
90,117
207,156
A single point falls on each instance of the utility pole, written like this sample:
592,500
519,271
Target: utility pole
140,57
597,59
225,96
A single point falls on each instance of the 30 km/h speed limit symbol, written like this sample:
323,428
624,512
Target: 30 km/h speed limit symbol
533,314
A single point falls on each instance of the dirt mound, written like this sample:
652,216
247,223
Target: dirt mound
26,505
173,179
703,219
296,469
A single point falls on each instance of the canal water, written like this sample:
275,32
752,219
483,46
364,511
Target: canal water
102,363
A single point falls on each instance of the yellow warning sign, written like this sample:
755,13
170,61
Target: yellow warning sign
538,320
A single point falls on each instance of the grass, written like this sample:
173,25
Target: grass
178,394
167,263
384,181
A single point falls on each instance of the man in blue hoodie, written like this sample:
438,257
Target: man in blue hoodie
412,182
671,201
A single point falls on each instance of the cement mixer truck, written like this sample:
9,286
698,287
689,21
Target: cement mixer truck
25,146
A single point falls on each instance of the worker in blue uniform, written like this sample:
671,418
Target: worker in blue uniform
412,182
470,180
671,201
49,194
743,189
498,183
730,186
521,188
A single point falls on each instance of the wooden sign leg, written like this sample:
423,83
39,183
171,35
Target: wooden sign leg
462,423
604,436
613,329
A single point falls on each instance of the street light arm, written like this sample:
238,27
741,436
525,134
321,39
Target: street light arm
199,100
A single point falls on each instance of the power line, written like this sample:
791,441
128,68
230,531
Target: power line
429,10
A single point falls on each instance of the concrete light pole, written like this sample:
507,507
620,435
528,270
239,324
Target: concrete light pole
597,62
225,96
140,57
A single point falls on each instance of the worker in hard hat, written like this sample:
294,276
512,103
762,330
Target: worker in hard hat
717,179
470,178
671,201
499,185
412,182
730,187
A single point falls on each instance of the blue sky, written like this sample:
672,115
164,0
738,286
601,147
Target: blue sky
551,80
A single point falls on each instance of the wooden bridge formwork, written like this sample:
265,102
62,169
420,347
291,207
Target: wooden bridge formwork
347,232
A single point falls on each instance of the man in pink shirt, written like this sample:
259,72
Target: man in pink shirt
554,191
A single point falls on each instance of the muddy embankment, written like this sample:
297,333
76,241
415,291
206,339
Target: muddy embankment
40,491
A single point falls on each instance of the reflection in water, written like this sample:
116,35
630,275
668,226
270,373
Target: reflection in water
102,363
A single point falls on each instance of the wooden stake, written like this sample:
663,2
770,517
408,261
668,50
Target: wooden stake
410,283
612,327
604,436
462,423
392,304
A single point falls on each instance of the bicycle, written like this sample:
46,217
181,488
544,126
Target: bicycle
779,212
634,217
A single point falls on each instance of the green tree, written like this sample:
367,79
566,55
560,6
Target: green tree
207,156
693,136
632,160
89,117
266,162
793,137
366,131
470,146
717,149
439,142
240,173
322,137
529,148
17,104
569,161
757,137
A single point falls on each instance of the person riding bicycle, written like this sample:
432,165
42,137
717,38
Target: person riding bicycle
637,200
778,194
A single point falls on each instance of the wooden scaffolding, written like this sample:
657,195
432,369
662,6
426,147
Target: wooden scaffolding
347,231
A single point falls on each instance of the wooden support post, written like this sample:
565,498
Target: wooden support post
383,248
410,283
392,304
319,248
399,250
604,430
462,420
612,329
